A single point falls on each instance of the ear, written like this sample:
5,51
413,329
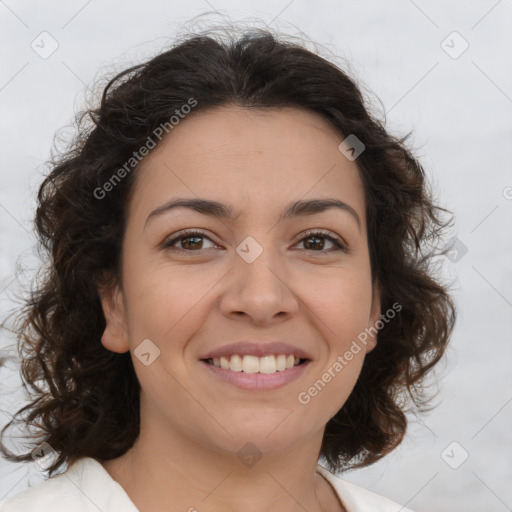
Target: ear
115,336
374,317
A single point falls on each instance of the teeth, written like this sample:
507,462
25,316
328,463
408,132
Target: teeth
235,364
281,362
268,364
250,364
254,364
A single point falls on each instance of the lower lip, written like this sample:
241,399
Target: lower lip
258,381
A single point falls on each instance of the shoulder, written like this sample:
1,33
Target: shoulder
85,486
358,499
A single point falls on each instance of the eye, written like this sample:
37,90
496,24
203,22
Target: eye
192,239
317,236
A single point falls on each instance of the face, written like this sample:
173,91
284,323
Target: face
275,280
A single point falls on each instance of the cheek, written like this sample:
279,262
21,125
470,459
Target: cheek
164,300
341,311
329,390
343,304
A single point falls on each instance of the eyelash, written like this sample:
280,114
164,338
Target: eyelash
189,233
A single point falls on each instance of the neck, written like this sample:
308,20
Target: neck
163,469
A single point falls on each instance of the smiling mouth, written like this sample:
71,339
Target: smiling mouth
253,364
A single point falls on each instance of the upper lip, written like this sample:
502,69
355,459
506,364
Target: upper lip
255,348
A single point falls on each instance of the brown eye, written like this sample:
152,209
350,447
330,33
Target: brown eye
191,241
315,241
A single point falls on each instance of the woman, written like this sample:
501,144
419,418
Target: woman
239,284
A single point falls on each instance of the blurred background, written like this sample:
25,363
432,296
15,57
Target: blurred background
442,69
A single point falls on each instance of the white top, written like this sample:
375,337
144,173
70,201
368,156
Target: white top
86,486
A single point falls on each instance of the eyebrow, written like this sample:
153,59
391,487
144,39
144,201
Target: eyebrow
223,211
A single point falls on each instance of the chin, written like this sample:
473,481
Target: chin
265,436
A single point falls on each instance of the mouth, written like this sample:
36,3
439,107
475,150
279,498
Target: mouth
267,364
257,364
252,373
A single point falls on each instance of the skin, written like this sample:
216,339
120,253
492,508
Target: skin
193,423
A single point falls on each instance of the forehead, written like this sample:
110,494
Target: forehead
249,158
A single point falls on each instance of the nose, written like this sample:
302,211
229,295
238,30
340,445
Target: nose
259,292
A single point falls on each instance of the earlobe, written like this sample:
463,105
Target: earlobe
374,318
115,336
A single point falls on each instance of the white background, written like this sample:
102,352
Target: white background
460,110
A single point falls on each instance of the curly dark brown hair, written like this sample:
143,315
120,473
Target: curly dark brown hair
84,398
